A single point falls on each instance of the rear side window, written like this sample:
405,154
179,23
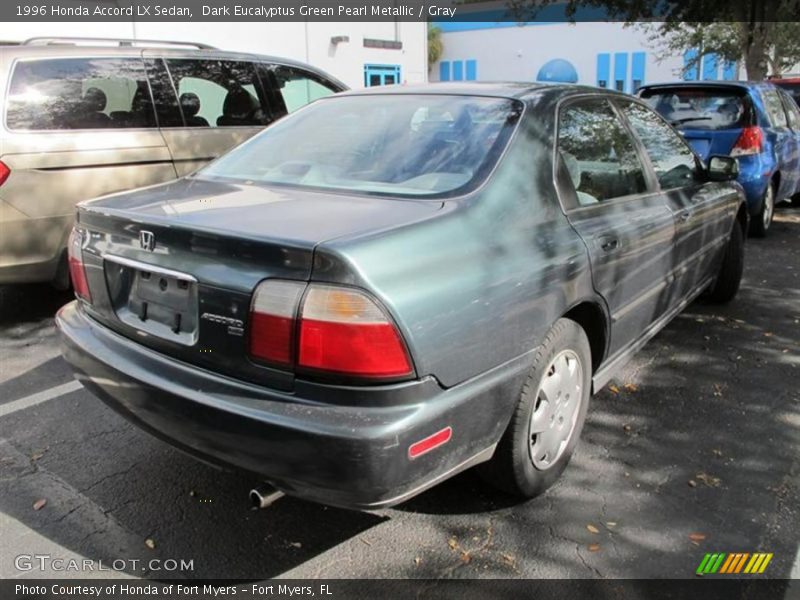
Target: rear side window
79,93
700,108
774,107
298,87
219,93
598,152
674,163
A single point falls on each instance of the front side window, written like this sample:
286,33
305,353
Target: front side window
219,93
297,87
792,111
598,152
403,145
79,93
673,161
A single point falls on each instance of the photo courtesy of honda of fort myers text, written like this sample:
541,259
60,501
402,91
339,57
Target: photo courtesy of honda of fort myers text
399,299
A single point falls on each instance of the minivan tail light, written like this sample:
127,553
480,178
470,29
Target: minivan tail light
344,331
4,172
751,141
77,270
272,321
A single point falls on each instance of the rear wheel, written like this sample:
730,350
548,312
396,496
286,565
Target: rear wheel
549,416
730,271
761,222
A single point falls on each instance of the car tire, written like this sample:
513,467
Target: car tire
730,271
760,223
527,461
796,200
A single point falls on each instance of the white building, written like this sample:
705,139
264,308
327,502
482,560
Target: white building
590,53
371,53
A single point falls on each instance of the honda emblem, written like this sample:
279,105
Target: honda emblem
147,240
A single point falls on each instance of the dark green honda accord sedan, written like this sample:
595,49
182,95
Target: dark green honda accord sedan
390,286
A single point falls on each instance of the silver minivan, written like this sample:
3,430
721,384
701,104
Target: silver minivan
86,117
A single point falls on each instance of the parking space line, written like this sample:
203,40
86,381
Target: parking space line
39,397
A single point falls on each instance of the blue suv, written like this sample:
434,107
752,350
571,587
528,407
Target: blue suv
758,123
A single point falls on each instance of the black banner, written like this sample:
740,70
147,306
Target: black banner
744,588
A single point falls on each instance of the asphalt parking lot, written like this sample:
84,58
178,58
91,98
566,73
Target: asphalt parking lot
695,448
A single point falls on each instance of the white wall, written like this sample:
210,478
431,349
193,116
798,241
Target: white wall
517,53
308,42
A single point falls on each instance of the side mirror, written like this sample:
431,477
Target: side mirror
722,168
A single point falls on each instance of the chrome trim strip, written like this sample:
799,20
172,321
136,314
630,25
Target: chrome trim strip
142,266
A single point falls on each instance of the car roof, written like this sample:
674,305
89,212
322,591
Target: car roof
747,85
66,50
503,89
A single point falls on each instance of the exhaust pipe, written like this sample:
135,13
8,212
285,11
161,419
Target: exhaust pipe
264,496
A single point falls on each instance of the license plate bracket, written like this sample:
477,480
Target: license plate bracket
153,300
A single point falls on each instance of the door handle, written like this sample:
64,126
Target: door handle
686,215
607,244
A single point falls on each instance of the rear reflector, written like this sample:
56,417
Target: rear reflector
751,141
272,321
343,331
77,271
4,172
429,443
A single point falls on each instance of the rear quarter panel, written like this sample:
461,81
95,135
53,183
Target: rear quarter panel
482,282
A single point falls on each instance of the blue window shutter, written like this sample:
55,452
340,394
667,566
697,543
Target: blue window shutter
638,61
604,69
692,73
729,70
444,70
472,70
710,64
458,70
620,71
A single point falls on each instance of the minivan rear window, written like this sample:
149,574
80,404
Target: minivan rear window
79,93
393,144
700,107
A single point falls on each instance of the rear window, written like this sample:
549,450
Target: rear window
407,145
79,93
700,108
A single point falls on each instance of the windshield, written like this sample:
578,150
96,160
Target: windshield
408,145
699,108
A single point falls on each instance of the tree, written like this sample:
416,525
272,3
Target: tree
435,45
779,51
752,24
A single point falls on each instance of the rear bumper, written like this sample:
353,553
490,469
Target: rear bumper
31,250
353,455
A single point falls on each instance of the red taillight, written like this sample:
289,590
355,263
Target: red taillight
338,330
4,172
272,321
77,271
751,141
343,331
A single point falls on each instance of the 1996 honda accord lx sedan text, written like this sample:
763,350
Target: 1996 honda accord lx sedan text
387,287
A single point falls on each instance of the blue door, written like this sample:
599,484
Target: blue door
381,75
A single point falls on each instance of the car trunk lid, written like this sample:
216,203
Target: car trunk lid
174,266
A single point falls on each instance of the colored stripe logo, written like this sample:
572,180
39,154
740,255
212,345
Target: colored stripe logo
734,563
